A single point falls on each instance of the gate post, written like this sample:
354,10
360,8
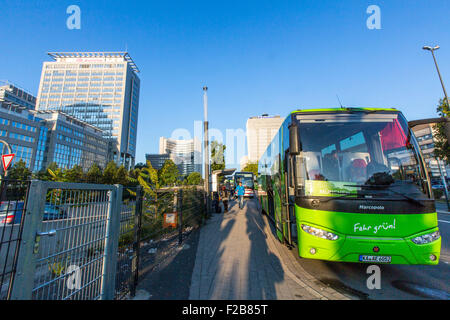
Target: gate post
22,287
137,241
111,244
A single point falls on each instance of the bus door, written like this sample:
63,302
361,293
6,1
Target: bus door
270,202
285,204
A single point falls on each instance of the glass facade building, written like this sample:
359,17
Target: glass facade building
425,135
186,154
40,138
21,129
157,160
99,88
13,94
72,142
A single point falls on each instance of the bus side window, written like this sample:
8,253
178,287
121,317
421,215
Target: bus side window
291,176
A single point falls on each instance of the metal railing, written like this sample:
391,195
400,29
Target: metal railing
147,239
69,242
13,200
75,241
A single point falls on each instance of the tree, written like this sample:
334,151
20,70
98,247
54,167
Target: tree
121,176
139,165
441,145
56,174
75,174
251,167
44,174
217,156
147,178
168,174
94,174
194,179
109,173
19,171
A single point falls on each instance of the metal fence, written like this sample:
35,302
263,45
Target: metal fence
71,241
147,237
13,200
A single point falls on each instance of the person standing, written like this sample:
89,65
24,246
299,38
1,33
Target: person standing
225,198
240,190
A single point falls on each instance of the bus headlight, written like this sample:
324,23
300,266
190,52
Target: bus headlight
319,233
427,238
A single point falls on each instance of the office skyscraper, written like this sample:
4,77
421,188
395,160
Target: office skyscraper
16,96
100,88
157,160
186,154
260,132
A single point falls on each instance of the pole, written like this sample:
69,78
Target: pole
206,150
440,78
134,280
9,152
180,215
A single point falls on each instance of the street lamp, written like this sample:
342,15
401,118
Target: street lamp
428,48
432,49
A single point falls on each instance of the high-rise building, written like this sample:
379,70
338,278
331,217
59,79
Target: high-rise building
99,88
16,96
41,137
25,133
72,142
186,154
425,133
260,132
157,160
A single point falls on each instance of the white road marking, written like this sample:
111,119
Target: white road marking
444,221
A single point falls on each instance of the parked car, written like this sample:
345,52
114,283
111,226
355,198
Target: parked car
437,186
52,212
11,212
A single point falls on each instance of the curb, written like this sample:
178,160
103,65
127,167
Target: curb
315,287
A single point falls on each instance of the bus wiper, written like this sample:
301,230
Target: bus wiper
388,187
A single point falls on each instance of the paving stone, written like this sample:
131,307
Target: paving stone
239,258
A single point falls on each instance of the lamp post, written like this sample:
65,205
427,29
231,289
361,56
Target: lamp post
432,49
428,48
206,149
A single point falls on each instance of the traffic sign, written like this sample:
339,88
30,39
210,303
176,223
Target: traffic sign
7,159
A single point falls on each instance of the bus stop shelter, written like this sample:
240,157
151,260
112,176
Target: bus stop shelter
216,174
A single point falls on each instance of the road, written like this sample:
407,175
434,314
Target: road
402,282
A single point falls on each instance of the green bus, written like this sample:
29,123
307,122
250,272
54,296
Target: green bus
350,184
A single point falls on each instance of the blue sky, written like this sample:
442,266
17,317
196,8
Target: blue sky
255,56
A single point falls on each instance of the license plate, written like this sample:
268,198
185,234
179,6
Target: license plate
379,259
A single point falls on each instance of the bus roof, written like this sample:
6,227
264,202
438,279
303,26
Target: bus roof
343,110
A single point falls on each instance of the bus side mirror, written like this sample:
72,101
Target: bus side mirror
294,145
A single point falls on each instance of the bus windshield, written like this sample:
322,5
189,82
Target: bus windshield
347,153
245,178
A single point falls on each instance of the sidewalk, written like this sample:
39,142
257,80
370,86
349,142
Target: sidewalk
239,258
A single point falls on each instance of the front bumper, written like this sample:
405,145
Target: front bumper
349,248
